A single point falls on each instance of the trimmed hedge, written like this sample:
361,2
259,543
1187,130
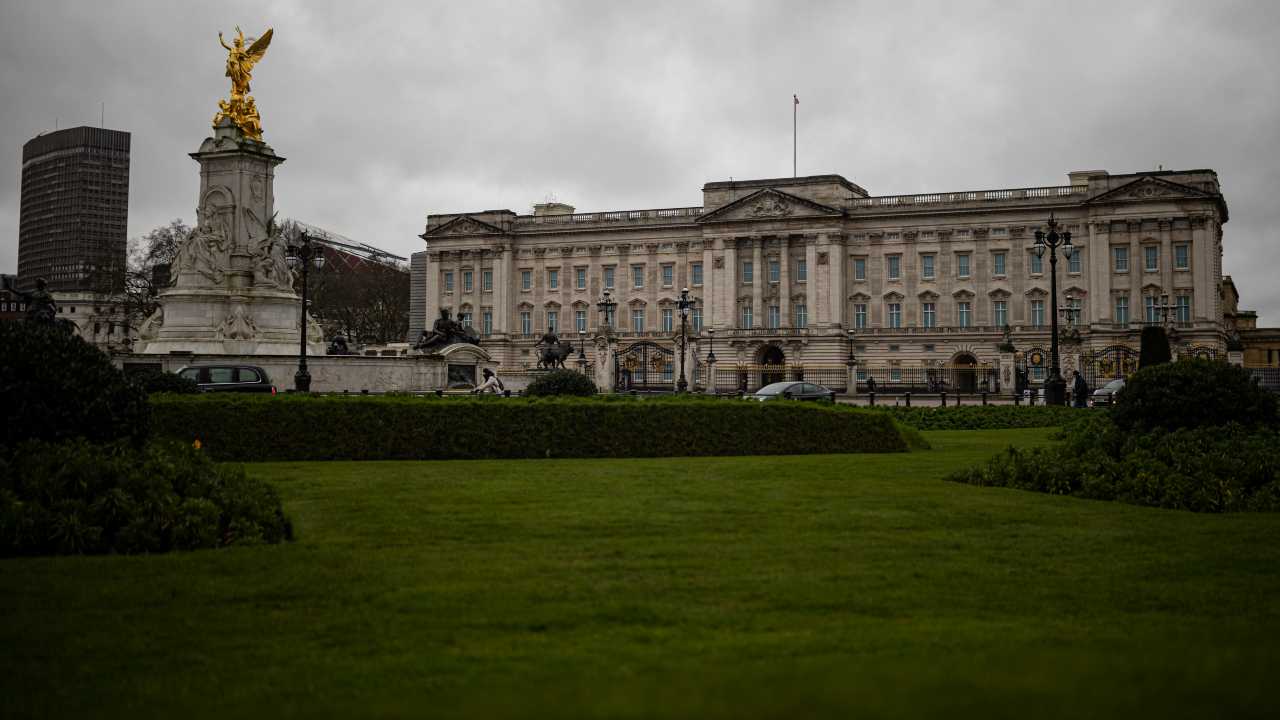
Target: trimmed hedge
1193,393
561,382
261,428
982,417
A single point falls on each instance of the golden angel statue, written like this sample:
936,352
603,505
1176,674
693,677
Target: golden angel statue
241,109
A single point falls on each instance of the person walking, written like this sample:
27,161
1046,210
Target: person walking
491,384
1079,391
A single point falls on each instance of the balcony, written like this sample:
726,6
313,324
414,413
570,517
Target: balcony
764,332
628,217
975,198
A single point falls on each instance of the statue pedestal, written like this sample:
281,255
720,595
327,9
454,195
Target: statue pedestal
232,291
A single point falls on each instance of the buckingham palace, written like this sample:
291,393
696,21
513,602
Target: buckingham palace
937,285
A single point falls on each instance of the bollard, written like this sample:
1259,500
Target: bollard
984,397
506,393
439,393
872,398
907,395
1017,398
943,395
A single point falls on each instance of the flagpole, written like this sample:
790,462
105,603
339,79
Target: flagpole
795,108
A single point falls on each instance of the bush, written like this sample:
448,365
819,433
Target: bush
1154,348
55,386
251,428
1218,469
981,417
561,382
75,497
1190,394
155,381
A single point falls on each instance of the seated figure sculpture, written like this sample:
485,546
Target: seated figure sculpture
444,332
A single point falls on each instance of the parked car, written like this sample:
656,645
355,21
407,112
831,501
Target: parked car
229,378
1105,396
794,391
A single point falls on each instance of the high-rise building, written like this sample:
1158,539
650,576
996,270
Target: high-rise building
75,210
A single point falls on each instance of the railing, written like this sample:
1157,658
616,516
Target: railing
765,332
732,378
973,196
611,217
951,379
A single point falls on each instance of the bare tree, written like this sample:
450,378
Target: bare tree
147,272
367,301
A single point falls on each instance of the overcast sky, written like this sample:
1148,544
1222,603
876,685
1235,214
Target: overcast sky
389,111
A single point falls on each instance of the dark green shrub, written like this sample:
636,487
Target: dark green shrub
981,417
250,428
1154,349
1207,469
55,386
561,382
155,381
75,497
1192,393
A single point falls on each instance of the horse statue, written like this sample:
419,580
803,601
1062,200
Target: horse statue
553,355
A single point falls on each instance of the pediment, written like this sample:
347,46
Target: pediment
1151,188
768,204
464,225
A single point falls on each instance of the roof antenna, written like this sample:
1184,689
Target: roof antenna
102,116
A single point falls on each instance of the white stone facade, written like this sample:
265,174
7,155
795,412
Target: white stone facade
783,267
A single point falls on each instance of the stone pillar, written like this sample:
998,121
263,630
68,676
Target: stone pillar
729,282
710,303
811,287
784,282
606,345
835,273
759,277
851,378
433,290
709,387
1098,258
1203,261
1004,370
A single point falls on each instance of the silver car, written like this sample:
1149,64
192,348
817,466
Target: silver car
1105,396
794,390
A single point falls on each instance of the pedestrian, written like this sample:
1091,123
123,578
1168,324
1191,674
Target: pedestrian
1079,391
871,384
491,384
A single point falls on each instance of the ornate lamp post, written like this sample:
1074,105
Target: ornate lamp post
1055,388
685,304
301,257
606,307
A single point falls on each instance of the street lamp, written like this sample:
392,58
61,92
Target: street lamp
685,304
301,257
582,344
606,307
852,360
1055,388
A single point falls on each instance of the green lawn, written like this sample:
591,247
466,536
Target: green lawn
839,585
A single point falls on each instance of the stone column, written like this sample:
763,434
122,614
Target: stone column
729,283
1099,258
811,288
784,281
433,290
1166,257
835,286
710,303
759,277
606,344
1202,269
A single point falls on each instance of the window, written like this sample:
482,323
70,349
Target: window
465,318
637,276
774,316
962,265
526,323
695,318
580,278
859,268
1182,257
929,314
1122,310
1151,309
1120,255
467,277
747,272
1073,261
486,320
1184,308
802,270
608,278
895,266
696,272
1075,311
486,280
895,315
775,271
802,316
526,279
1037,313
1037,264
668,275
553,279
448,282
997,263
964,314
580,320
221,375
668,319
926,267
746,317
1000,312
637,320
860,316
553,321
1151,258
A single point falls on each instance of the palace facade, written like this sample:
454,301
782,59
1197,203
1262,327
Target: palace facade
784,267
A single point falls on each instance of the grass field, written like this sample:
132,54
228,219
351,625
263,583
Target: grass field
838,585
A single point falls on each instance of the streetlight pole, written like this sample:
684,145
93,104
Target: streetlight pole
301,257
852,378
1055,388
685,303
